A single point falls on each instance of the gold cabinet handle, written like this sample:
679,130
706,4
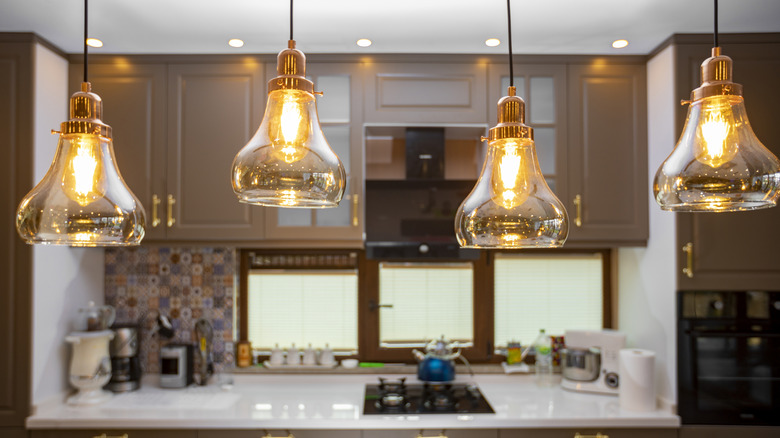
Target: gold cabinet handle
688,250
355,210
268,435
578,205
598,435
440,435
171,202
155,216
102,435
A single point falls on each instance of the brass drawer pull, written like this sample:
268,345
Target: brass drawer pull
102,435
171,202
578,205
598,435
155,217
688,250
355,210
440,435
268,435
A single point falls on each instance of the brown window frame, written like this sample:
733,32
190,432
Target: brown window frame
368,290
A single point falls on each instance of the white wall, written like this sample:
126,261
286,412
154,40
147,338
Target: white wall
64,279
646,276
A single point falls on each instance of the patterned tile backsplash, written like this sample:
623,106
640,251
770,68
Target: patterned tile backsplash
183,283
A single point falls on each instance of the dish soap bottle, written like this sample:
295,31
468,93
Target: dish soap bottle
543,367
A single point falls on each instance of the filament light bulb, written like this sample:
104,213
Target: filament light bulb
510,177
83,180
716,145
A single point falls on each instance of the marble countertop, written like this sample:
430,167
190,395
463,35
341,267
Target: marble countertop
336,402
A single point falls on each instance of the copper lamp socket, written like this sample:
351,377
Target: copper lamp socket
86,112
716,73
291,71
511,118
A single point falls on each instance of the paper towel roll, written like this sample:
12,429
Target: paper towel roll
637,380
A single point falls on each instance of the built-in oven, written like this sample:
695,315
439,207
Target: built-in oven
728,357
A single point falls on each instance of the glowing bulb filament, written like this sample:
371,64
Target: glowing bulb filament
291,120
715,130
508,168
84,166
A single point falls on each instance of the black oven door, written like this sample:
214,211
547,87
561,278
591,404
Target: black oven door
729,372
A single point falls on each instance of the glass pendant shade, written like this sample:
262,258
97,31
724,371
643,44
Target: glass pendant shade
719,164
82,200
511,205
288,162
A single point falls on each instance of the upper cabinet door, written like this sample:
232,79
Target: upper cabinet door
607,194
733,251
340,110
426,93
213,110
134,106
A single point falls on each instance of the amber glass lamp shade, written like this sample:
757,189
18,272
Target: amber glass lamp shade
82,200
511,205
718,165
288,162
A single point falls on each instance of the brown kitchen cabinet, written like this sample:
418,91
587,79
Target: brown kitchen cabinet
112,433
17,70
588,433
733,251
426,93
176,130
606,192
340,111
261,433
729,432
431,433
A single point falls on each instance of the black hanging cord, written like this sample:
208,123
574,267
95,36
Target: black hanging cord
291,20
85,41
715,34
509,25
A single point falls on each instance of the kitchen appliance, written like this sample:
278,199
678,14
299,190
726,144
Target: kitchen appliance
204,332
424,153
95,318
591,359
437,364
90,366
177,365
728,365
125,363
397,397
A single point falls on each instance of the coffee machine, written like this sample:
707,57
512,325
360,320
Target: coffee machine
125,363
590,361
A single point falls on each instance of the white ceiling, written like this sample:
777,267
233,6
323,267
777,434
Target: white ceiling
395,26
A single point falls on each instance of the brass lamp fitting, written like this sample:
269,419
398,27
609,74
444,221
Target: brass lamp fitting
511,119
291,70
716,77
86,111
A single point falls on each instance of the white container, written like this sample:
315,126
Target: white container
90,366
637,380
293,357
310,356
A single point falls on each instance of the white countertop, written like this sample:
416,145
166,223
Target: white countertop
336,402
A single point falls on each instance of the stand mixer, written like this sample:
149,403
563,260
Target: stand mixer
590,361
90,365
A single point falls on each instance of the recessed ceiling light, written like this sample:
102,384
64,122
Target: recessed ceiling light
364,42
619,44
492,42
94,42
235,42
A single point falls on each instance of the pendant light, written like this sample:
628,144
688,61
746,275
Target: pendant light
718,164
511,205
288,162
82,200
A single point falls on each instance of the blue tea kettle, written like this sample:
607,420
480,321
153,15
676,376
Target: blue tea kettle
437,364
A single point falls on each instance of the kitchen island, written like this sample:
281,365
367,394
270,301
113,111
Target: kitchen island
335,402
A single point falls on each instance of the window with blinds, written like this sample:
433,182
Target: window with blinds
303,307
423,301
553,292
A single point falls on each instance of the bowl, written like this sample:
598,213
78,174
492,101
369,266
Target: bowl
581,364
349,363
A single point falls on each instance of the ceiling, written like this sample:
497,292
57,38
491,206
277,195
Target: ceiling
395,26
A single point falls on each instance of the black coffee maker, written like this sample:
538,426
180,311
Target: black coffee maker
125,363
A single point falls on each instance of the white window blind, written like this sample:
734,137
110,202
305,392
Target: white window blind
553,292
303,307
428,301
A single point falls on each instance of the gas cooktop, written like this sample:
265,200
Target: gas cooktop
397,397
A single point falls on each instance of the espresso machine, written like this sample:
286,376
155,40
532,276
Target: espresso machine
125,363
590,361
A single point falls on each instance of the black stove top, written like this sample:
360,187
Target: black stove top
397,397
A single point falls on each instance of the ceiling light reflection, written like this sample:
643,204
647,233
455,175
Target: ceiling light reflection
94,42
619,44
235,42
492,42
364,42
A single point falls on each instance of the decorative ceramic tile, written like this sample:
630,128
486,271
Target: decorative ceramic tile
183,283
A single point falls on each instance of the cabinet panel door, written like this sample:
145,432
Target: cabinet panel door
213,110
570,433
114,433
433,433
607,159
16,174
426,93
340,112
260,433
134,106
729,432
735,250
